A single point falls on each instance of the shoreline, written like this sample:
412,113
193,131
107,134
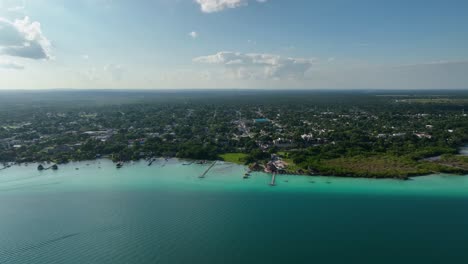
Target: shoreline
255,167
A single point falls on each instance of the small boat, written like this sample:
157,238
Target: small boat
54,167
40,167
119,164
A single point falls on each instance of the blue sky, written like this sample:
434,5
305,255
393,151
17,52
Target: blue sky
233,44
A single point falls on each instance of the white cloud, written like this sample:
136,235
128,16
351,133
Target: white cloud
16,8
258,65
5,64
211,6
13,5
116,70
23,38
85,57
193,34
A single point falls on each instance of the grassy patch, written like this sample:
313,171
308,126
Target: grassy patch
454,161
379,167
238,158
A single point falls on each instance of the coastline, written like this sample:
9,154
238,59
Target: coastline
173,176
254,167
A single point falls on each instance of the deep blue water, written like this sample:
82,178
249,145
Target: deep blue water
166,214
216,227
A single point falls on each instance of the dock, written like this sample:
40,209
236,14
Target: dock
207,170
273,179
6,166
151,162
53,167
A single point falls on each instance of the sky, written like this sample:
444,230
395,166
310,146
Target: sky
258,44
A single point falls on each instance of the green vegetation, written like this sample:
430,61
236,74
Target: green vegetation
238,158
453,161
354,134
379,167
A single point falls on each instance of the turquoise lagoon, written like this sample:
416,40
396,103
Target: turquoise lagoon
91,212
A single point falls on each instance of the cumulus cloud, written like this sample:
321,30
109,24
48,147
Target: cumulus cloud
211,6
258,65
4,64
23,38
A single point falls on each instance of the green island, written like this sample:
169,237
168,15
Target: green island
337,133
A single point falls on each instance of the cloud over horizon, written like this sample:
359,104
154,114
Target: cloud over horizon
5,64
116,71
23,38
259,65
212,6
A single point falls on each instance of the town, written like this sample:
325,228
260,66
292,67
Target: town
356,134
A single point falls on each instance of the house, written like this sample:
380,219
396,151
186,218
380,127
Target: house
307,137
283,143
423,135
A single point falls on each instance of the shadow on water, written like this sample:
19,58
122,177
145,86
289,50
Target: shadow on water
45,243
21,179
29,186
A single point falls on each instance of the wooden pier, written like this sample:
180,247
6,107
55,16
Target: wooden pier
273,179
207,170
6,166
151,161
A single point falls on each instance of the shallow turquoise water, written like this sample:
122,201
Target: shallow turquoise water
166,214
224,177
